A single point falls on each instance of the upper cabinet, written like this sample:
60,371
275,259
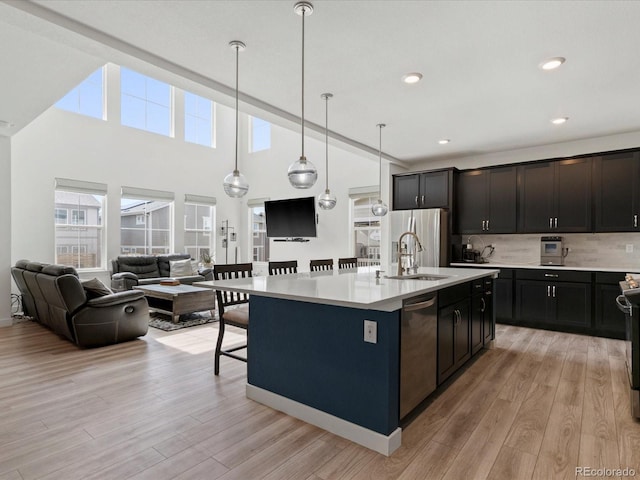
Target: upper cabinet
555,196
617,192
486,201
423,190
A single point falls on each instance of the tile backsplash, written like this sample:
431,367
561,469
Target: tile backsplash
607,250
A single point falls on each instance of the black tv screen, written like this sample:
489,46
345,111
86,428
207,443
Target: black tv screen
292,218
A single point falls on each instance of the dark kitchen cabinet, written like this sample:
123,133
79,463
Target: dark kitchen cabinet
559,300
608,320
616,181
481,327
423,190
454,347
486,201
503,296
555,196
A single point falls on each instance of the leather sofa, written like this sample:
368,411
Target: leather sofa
127,271
54,296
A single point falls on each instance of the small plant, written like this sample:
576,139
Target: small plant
206,258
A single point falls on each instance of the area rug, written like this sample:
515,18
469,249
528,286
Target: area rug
164,322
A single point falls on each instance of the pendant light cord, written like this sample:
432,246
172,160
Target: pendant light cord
326,138
237,62
304,11
380,161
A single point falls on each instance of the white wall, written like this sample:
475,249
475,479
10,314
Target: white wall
542,152
5,232
68,145
266,173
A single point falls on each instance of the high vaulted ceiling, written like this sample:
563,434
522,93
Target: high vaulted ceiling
482,86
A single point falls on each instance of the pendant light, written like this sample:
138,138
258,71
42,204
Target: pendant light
379,209
302,173
326,200
235,185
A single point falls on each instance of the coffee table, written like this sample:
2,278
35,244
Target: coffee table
176,300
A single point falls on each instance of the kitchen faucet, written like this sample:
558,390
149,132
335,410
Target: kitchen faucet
406,254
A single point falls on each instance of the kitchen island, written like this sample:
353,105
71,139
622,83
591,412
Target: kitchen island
308,356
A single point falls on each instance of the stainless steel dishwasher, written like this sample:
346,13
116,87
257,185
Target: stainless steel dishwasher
418,351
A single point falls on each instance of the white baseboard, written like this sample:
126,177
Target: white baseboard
384,444
6,322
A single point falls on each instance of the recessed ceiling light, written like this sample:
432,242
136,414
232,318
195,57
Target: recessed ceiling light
444,141
559,120
414,77
552,63
5,124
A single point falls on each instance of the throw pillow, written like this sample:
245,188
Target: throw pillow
180,268
94,288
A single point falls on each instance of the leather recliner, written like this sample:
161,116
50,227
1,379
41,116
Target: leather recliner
54,296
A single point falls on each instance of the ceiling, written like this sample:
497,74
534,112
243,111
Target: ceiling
482,86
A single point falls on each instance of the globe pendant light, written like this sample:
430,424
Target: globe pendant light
379,209
235,185
302,173
326,200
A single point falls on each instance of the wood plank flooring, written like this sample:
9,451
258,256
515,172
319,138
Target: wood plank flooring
535,407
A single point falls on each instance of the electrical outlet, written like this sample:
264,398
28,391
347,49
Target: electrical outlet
630,248
370,331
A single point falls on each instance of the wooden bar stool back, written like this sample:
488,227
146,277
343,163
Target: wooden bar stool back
233,309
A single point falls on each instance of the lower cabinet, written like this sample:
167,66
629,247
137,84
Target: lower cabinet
608,320
481,313
503,296
454,314
559,300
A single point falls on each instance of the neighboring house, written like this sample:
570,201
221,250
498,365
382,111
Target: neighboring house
260,240
78,219
145,228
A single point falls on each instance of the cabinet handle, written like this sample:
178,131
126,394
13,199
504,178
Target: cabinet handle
548,290
417,204
422,199
552,275
458,317
484,305
487,225
554,291
550,222
555,223
635,220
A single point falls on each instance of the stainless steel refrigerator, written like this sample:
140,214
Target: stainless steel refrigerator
432,228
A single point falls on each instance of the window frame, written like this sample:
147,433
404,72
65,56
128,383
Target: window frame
64,242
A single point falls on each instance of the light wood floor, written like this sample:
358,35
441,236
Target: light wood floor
537,406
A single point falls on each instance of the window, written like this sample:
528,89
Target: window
146,226
78,217
87,98
79,229
260,135
61,216
198,120
198,234
259,241
145,103
365,230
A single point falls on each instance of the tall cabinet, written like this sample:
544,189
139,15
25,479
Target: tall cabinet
555,196
486,201
617,192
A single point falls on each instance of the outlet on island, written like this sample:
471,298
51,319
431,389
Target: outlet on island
370,331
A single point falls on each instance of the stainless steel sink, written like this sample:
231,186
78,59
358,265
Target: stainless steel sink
417,276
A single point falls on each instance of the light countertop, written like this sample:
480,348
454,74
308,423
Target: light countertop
355,288
543,267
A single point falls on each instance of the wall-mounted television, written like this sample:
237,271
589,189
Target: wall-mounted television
293,218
